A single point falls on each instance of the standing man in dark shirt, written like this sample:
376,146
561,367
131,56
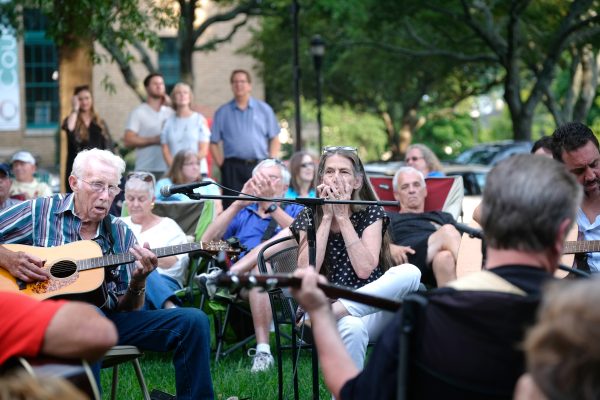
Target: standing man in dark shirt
525,222
428,240
244,132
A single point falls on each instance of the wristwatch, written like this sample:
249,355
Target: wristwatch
271,208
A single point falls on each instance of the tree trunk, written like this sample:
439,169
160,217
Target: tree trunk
522,123
392,136
74,68
186,41
410,123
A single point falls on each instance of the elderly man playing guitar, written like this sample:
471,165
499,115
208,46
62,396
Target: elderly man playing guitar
82,218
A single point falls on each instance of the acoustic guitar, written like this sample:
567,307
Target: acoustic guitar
77,373
77,268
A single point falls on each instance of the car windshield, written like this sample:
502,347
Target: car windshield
478,156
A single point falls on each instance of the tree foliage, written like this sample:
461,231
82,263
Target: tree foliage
366,76
127,29
524,40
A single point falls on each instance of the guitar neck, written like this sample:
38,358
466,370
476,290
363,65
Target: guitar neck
286,280
126,258
581,246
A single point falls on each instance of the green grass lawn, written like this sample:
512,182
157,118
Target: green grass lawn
231,377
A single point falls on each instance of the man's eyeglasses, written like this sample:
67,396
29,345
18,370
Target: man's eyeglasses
100,187
415,158
143,176
333,149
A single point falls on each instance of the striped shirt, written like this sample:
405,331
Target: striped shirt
51,221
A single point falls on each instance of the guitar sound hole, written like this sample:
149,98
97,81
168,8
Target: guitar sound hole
63,269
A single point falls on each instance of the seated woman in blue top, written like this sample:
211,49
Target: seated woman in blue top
302,168
186,169
422,158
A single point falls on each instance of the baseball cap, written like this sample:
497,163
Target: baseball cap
24,156
5,169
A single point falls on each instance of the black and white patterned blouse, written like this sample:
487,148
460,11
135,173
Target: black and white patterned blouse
339,268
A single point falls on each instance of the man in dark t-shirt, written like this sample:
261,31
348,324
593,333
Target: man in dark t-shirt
522,253
428,240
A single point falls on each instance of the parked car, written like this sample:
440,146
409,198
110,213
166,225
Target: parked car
493,152
473,175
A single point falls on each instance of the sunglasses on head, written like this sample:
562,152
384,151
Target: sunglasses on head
143,176
334,149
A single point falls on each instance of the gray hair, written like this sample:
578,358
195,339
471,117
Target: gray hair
407,170
269,162
84,157
432,161
525,200
136,182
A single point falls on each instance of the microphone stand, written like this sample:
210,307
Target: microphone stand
310,203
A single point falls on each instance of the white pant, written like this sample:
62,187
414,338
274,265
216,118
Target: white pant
365,323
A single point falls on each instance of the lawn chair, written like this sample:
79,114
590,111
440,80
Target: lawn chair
443,194
119,355
283,306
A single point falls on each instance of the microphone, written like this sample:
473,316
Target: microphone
169,190
473,232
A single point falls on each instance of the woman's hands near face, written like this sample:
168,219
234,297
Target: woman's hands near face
335,189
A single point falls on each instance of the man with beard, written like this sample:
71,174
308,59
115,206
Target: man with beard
576,146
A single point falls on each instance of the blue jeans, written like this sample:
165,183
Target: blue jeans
160,288
185,331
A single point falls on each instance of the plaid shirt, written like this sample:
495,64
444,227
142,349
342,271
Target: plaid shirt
51,221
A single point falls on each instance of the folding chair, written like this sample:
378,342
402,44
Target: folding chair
283,307
443,194
235,310
464,345
119,355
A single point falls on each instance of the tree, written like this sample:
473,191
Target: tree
525,40
127,28
366,76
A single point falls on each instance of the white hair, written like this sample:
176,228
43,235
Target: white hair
269,162
84,157
407,170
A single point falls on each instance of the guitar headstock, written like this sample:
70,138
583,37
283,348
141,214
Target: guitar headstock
216,246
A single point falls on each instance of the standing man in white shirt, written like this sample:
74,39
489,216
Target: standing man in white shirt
145,124
245,131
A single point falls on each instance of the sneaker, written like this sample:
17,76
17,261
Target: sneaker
207,282
260,361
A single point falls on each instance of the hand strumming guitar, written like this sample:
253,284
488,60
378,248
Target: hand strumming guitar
23,266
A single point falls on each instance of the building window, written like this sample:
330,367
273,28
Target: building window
168,62
41,73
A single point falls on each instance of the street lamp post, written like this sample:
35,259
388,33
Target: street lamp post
317,49
296,71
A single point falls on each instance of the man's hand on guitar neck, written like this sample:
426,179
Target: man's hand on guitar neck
310,296
145,264
23,266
